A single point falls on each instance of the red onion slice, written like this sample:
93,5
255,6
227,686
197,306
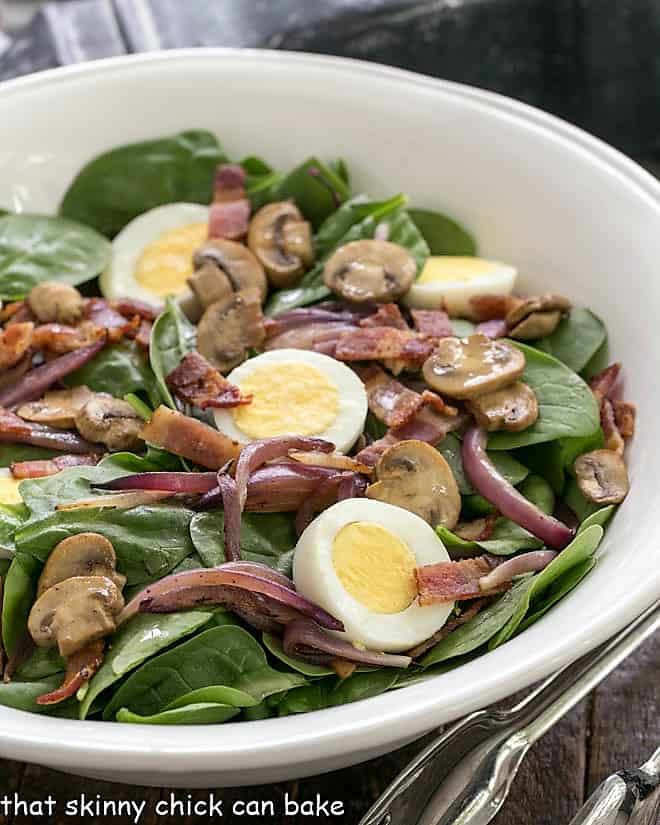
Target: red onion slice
323,496
33,385
517,566
18,430
492,486
229,496
303,638
189,589
354,486
496,328
169,482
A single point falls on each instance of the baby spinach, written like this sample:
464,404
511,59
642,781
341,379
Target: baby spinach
581,506
225,655
19,589
121,184
202,713
23,695
600,517
10,453
215,694
140,638
172,338
42,663
576,340
507,465
331,692
481,628
268,538
35,248
557,590
262,181
118,369
567,406
11,518
553,459
316,190
274,646
442,234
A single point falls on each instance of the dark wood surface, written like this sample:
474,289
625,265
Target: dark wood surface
617,727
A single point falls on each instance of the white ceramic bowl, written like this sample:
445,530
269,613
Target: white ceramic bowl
575,217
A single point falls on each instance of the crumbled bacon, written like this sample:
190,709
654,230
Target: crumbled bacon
438,403
80,667
391,402
15,341
603,383
9,310
195,381
624,414
229,214
100,312
142,335
481,529
617,418
190,438
385,344
387,315
469,613
492,307
317,335
17,312
50,466
130,307
450,581
433,322
61,338
613,438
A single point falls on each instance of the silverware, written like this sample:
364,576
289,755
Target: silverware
463,777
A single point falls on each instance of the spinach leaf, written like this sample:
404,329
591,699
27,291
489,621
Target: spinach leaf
118,369
203,713
35,248
567,406
557,590
443,235
121,184
42,663
23,695
11,518
172,337
262,181
450,448
581,506
269,538
260,711
135,642
220,656
19,589
598,362
340,168
315,188
149,540
274,646
482,627
5,564
600,517
215,694
553,459
327,693
9,453
576,340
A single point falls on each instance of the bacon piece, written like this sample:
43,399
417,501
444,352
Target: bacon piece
229,214
303,316
469,613
613,438
50,466
197,382
61,338
481,529
603,383
392,403
190,438
17,313
385,343
130,307
142,334
624,415
492,307
80,667
100,312
387,315
450,581
314,336
9,310
433,322
439,404
15,341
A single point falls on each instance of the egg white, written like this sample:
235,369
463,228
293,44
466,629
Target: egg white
315,576
348,423
118,280
454,293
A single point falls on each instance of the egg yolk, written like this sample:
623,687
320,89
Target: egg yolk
166,263
287,398
9,491
375,567
451,268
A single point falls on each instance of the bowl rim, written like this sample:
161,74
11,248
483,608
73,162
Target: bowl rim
374,723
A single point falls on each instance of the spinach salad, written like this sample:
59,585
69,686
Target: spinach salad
271,445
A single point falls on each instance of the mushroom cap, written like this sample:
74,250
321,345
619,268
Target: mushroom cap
85,554
55,301
469,367
57,407
223,266
602,476
75,612
370,270
512,408
536,325
228,328
415,476
536,316
110,421
281,240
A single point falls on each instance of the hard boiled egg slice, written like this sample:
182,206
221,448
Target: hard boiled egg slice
296,392
152,255
448,282
358,559
9,488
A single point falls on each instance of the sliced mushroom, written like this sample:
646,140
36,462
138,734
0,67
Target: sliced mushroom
110,421
469,367
229,328
85,554
602,476
536,317
370,271
190,306
414,475
58,407
75,612
281,240
54,301
223,267
511,408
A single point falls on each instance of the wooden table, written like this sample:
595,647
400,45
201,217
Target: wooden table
616,727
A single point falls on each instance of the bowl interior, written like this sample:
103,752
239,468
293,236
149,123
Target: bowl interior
572,215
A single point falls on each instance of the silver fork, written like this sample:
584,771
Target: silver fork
463,777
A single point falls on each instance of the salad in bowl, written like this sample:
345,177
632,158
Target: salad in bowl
272,446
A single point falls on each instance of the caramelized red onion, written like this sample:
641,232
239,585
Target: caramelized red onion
496,328
169,482
304,639
17,430
217,585
517,566
495,488
282,488
325,494
232,527
354,486
37,381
